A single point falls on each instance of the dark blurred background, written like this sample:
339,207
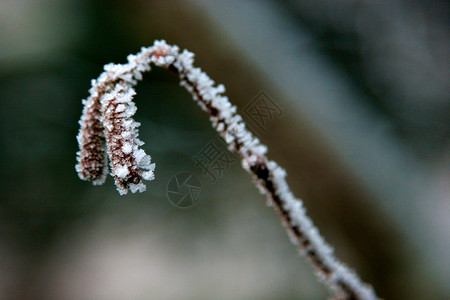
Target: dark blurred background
364,136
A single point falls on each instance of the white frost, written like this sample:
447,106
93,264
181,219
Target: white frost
127,148
121,171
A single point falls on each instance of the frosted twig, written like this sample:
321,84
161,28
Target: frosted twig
92,161
113,93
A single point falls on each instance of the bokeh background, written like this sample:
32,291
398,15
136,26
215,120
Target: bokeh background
364,137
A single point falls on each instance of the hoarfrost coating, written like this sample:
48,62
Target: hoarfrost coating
107,127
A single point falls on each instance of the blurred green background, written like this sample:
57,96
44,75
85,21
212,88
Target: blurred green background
364,137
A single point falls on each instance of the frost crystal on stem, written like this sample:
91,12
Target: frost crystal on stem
107,119
92,161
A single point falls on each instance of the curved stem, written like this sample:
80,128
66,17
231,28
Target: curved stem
268,176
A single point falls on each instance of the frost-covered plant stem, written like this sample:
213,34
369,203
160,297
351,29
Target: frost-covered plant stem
113,92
